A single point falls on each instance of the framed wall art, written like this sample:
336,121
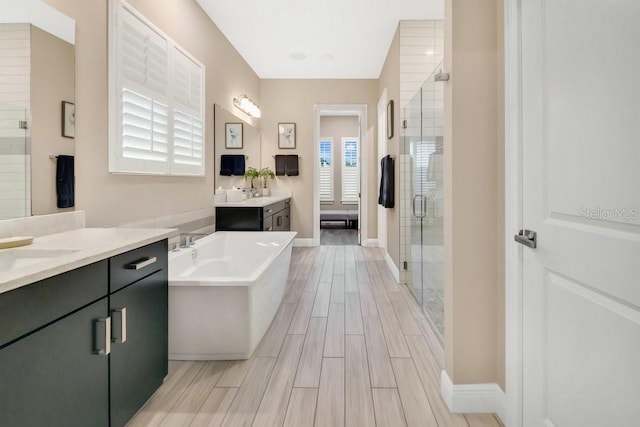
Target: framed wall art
390,119
68,119
233,135
286,135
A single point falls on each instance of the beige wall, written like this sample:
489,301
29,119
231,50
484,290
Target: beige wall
337,127
471,192
250,146
113,199
52,81
390,80
295,101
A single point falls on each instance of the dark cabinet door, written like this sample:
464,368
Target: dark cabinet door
238,219
281,220
139,364
53,377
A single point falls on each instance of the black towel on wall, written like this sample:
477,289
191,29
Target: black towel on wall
291,166
226,165
232,164
281,162
386,198
238,164
65,181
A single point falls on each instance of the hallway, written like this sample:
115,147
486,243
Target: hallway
348,347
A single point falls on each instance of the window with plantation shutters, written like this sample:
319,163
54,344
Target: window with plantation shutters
350,170
326,169
156,100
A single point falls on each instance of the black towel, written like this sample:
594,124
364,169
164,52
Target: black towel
232,164
226,165
238,164
386,198
291,166
281,162
65,181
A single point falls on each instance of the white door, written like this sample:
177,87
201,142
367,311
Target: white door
581,194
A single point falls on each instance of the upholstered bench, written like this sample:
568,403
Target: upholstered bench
348,216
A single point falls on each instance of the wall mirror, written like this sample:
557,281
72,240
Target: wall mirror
37,62
224,144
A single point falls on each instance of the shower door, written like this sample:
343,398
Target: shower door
422,200
15,162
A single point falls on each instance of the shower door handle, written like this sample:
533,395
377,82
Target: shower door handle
423,206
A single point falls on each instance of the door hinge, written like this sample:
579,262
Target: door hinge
405,265
23,124
404,124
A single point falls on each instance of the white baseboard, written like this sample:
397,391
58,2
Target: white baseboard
473,398
370,243
392,267
306,243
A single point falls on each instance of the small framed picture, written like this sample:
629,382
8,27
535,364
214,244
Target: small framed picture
68,119
390,119
233,135
286,135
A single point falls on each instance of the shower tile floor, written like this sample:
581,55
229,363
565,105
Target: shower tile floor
348,347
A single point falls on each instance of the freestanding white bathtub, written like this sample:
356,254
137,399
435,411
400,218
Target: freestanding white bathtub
224,292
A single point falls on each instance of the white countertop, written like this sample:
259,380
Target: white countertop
77,248
256,202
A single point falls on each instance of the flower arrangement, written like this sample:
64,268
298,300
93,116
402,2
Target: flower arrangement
250,174
265,174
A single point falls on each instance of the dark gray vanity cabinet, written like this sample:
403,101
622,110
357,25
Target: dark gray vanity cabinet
87,347
53,378
139,307
274,217
52,331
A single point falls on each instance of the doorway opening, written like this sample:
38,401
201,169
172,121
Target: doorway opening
339,214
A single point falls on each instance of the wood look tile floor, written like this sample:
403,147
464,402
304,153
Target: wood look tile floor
348,347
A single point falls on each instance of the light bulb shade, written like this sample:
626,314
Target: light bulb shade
244,103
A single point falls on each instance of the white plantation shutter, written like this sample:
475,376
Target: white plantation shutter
144,128
350,170
188,132
326,169
157,100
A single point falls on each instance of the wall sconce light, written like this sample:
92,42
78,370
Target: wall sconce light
244,103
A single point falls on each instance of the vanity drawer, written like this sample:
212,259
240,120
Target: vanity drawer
134,265
26,309
275,207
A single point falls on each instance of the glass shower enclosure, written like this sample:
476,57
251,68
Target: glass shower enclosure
422,200
15,162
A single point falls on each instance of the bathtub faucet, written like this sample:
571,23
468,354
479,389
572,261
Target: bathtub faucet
190,239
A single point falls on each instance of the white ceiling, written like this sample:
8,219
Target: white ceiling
338,38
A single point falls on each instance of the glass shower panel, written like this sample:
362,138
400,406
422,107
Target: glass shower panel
411,202
15,162
423,200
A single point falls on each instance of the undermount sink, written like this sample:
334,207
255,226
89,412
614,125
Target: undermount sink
18,258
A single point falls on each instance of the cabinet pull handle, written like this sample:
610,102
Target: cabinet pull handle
270,229
142,264
122,313
269,210
279,221
99,348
